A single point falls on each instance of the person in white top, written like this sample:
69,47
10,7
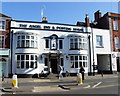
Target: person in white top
61,71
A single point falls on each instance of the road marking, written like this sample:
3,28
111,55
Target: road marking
96,84
106,86
87,86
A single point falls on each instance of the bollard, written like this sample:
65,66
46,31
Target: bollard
79,78
14,81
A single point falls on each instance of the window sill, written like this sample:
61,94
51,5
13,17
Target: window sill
25,68
26,48
115,30
77,49
99,47
2,29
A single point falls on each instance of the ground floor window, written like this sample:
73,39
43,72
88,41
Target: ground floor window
78,60
25,61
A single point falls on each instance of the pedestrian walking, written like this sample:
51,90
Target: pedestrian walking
61,71
82,70
2,75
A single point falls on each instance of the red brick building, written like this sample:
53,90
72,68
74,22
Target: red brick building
4,44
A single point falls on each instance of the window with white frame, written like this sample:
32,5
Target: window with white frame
26,61
47,43
60,44
53,43
78,60
2,41
2,25
116,43
27,41
115,25
99,41
78,43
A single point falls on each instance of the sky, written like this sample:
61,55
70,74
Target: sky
56,12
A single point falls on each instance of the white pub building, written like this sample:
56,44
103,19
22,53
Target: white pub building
40,47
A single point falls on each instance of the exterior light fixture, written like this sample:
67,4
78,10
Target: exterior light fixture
67,57
113,55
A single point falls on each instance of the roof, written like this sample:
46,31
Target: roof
80,23
2,15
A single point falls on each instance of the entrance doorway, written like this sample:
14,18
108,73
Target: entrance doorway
54,67
104,63
118,64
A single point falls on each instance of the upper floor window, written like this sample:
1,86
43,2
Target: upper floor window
78,43
2,25
116,43
115,25
27,41
99,41
47,43
53,42
2,41
25,61
60,44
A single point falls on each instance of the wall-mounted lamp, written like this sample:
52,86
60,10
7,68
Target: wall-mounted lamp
67,57
113,55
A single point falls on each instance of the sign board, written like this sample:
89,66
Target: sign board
47,26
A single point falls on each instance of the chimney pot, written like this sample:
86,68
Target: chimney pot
87,21
44,20
97,15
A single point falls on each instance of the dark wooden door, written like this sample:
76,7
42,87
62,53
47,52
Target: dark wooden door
118,64
54,66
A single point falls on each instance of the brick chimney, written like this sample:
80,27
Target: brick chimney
44,20
87,21
97,15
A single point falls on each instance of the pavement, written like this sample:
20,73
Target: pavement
49,85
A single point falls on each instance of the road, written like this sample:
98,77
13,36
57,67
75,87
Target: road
91,85
95,86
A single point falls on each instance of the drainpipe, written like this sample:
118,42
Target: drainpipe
90,54
11,45
93,49
93,23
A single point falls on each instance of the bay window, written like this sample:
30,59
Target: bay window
78,43
26,61
78,60
27,41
